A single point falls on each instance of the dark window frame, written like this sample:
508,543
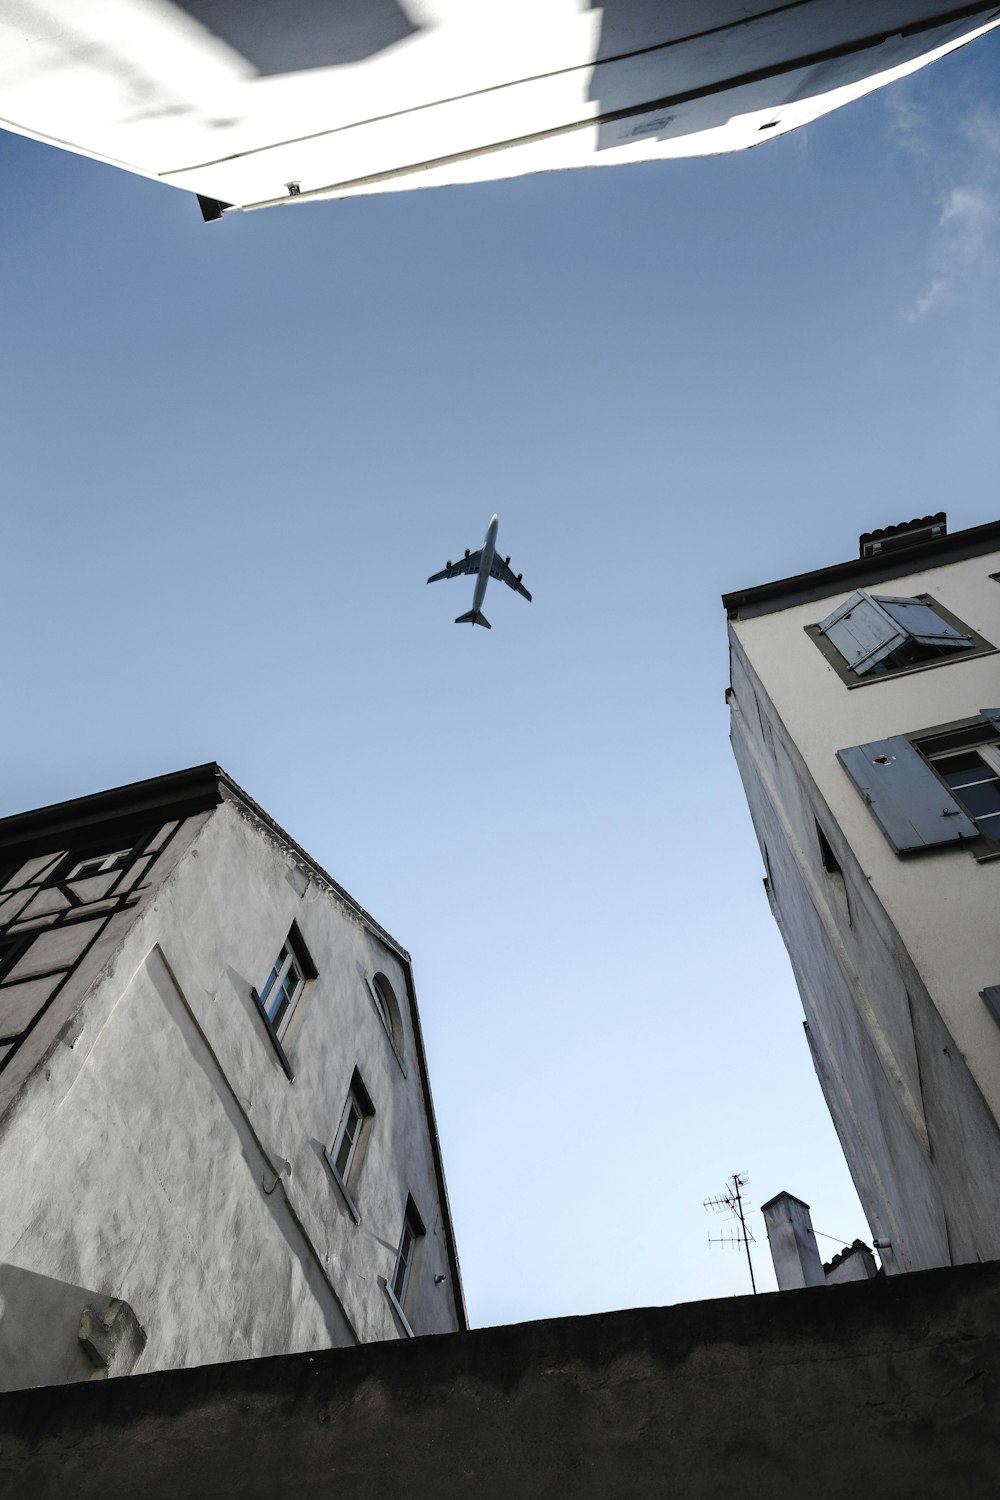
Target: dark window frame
413,1226
954,738
347,1181
300,952
980,647
834,872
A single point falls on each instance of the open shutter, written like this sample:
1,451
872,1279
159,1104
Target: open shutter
913,808
992,716
862,631
922,624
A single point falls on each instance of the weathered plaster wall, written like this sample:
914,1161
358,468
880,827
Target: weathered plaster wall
148,1186
221,936
888,1386
890,1030
159,1153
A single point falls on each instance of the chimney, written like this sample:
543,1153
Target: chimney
854,1263
904,534
793,1243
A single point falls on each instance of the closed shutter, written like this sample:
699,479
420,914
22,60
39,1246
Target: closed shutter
862,631
922,624
914,809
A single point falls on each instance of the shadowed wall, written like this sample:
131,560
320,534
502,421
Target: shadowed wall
891,1381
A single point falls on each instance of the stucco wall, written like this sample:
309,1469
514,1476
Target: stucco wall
886,1386
159,1154
937,900
889,955
221,934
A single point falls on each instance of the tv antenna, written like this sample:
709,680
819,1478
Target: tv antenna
731,1203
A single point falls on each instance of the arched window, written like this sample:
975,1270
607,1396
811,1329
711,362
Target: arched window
388,1008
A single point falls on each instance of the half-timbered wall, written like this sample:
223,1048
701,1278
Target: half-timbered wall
50,923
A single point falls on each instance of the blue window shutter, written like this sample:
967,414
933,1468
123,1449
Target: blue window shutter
913,808
991,999
922,624
862,631
992,716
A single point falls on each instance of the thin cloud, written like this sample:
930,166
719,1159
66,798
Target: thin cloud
963,162
935,293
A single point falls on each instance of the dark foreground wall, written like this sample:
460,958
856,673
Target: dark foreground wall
889,1387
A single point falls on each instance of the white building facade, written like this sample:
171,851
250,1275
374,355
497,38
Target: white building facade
217,1138
866,729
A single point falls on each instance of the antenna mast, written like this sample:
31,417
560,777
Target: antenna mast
730,1202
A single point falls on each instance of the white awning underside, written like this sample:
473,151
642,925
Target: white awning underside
235,99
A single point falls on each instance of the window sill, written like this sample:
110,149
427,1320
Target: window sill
351,1205
275,1043
400,1314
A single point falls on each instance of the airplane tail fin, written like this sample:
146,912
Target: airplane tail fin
475,617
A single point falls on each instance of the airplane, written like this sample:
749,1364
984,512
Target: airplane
488,564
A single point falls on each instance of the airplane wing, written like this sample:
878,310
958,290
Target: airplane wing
468,564
501,571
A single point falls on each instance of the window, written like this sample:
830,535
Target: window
398,1284
835,874
282,991
387,1008
872,635
345,1157
284,985
830,862
974,778
934,788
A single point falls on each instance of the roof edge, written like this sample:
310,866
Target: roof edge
803,588
178,794
236,791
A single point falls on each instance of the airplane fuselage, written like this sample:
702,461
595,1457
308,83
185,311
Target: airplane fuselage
485,564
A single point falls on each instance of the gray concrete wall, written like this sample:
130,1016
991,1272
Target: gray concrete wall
888,1387
158,1153
922,1144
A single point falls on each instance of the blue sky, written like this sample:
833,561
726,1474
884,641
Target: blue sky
234,452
